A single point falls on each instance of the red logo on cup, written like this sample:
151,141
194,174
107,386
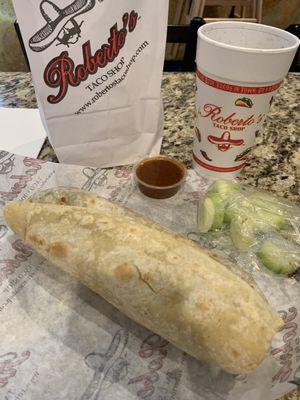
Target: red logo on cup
225,142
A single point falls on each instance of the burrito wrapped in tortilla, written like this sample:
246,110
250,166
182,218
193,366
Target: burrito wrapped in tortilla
159,279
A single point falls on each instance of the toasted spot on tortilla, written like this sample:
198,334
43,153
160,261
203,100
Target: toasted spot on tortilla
36,240
202,307
195,264
234,353
124,272
63,200
58,250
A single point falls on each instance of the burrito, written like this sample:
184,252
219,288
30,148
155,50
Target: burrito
161,280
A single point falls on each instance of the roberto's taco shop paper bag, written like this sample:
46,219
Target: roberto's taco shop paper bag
97,68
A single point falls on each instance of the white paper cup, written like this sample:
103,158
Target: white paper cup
240,66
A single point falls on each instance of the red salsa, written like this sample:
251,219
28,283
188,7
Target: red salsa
160,177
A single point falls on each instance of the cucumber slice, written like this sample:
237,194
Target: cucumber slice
268,209
238,205
205,214
273,220
264,220
267,202
261,225
219,210
242,232
210,212
224,188
230,213
280,259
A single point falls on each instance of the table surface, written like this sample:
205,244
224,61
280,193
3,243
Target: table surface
274,163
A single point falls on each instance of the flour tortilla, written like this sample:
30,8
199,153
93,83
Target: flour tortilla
159,279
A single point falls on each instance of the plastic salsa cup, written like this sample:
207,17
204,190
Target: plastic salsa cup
159,177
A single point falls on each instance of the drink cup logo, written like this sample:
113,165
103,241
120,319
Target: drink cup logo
243,156
244,102
224,143
205,155
198,134
61,26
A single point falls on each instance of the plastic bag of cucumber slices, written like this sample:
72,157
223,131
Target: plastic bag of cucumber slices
251,224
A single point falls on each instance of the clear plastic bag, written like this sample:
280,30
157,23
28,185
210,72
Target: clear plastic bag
242,222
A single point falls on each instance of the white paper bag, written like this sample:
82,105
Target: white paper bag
97,68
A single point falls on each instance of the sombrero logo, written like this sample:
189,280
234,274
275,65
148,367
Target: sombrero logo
63,28
225,142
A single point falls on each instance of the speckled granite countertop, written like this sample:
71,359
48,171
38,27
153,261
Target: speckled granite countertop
275,160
